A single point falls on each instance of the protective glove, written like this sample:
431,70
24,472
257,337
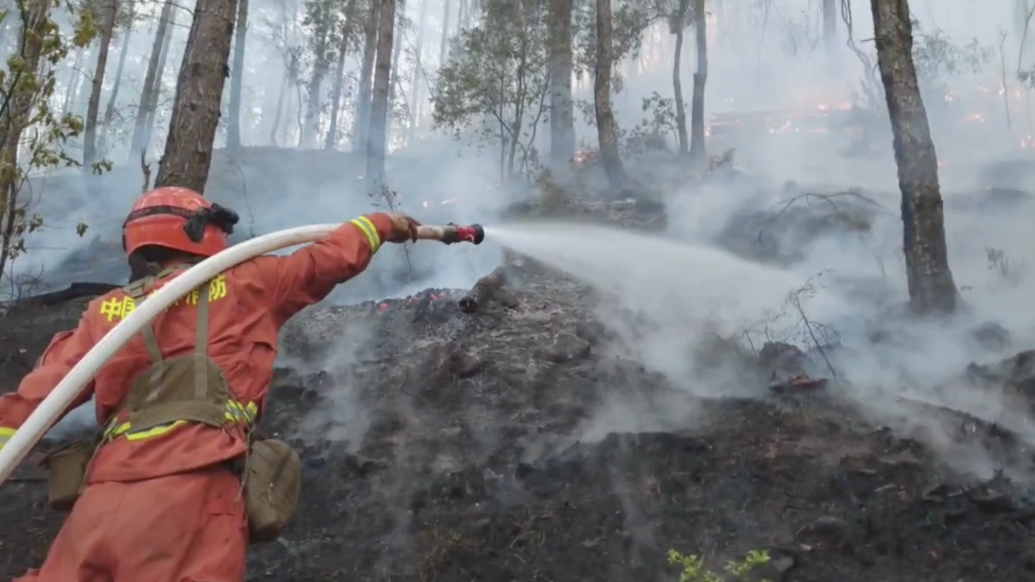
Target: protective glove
404,228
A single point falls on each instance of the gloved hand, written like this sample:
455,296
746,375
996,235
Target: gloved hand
404,228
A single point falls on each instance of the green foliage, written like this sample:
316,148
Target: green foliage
937,56
32,135
629,19
653,132
332,26
496,83
692,568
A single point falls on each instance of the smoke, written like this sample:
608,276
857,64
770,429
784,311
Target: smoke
711,278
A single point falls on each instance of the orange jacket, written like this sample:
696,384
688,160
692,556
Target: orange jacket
248,306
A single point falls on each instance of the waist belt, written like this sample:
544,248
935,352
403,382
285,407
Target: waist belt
236,413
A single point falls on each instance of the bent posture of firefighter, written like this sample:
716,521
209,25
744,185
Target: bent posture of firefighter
177,484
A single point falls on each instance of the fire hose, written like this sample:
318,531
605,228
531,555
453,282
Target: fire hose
58,401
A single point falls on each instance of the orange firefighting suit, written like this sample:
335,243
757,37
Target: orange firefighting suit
162,505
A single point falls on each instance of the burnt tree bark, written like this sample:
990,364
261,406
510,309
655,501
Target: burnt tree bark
607,133
931,286
378,132
93,109
233,109
562,118
697,149
199,94
361,121
152,81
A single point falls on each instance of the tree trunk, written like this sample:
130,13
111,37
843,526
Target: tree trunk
677,90
607,133
311,126
931,287
396,55
152,105
416,87
697,149
73,81
19,108
830,27
281,97
109,111
152,81
465,15
562,119
379,104
337,90
233,124
199,93
443,49
94,107
361,122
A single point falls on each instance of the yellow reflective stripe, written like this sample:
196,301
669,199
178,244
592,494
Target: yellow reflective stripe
156,431
370,230
5,435
235,412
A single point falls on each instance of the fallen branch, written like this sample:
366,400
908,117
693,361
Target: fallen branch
486,289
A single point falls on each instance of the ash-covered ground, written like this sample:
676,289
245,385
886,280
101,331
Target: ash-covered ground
511,442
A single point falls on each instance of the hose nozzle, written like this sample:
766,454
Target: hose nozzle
452,233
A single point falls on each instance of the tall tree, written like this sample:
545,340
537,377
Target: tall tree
348,28
562,119
418,79
931,286
233,109
378,133
152,81
199,93
361,121
697,149
113,96
320,17
443,49
111,11
607,133
830,26
677,25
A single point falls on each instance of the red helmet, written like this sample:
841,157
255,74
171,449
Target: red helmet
178,218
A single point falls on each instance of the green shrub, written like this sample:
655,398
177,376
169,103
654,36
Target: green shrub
692,568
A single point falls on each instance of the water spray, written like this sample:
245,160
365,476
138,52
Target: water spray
58,401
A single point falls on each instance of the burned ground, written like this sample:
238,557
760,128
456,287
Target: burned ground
444,446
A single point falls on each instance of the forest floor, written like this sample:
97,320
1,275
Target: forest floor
443,446
514,444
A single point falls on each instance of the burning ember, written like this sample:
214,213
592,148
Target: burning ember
427,297
584,157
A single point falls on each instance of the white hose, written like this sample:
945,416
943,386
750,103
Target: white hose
49,411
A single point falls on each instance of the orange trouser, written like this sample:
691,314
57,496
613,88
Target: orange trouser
188,527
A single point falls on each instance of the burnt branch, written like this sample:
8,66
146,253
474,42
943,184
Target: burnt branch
488,288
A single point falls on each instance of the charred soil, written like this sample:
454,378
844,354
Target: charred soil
444,446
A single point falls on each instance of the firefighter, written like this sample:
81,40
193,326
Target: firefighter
168,489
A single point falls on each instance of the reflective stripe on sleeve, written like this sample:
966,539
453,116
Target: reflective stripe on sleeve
368,228
5,435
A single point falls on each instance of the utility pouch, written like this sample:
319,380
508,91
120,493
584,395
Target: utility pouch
272,479
66,472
